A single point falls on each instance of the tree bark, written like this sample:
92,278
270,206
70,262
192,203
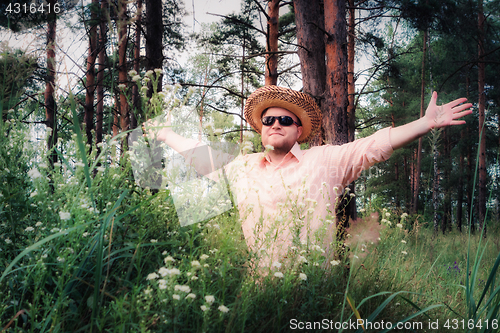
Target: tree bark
416,181
435,188
335,122
446,204
460,194
100,72
351,90
136,99
50,103
335,118
154,35
90,74
311,40
271,75
482,127
122,67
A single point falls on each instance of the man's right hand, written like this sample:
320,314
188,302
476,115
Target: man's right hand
157,129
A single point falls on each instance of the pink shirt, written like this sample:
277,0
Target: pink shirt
291,205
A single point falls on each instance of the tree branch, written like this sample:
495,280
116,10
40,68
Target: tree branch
233,19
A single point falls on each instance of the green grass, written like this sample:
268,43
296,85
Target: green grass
100,254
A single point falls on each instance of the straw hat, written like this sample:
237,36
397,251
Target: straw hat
300,104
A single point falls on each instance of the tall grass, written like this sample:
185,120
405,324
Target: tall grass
102,254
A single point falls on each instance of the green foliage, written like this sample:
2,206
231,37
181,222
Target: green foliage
16,68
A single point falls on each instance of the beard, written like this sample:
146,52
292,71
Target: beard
282,147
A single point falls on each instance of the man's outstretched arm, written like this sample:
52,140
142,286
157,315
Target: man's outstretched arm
435,117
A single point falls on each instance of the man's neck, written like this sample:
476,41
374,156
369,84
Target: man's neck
276,157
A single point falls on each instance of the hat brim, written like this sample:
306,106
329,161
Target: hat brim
300,104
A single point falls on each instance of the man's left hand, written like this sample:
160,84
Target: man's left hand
447,114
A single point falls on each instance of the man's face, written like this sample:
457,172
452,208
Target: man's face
282,138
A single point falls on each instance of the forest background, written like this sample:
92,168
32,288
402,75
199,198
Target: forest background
65,165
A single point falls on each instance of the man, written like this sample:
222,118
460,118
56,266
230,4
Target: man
286,196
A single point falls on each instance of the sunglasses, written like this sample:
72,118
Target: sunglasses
283,120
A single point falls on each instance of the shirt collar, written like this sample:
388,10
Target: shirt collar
294,152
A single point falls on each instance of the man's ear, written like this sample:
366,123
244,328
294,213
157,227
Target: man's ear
299,131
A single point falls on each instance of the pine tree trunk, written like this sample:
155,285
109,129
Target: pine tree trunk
50,103
136,100
309,20
336,96
271,75
154,35
482,127
445,220
460,190
100,72
435,189
470,209
335,119
90,74
351,90
122,68
416,181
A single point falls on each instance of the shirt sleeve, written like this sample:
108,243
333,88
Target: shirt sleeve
347,161
208,161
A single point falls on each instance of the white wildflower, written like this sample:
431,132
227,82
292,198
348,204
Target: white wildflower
223,308
168,259
302,276
279,275
34,173
164,271
335,262
302,259
64,216
183,288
